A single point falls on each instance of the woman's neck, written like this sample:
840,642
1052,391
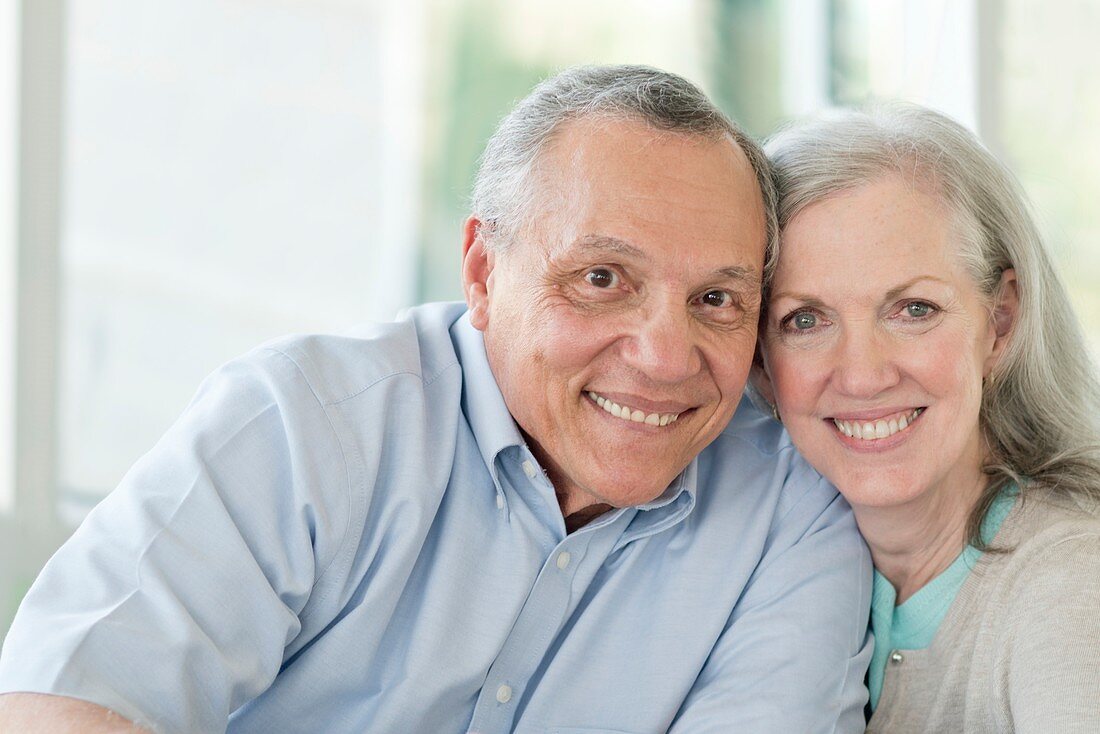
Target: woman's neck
913,543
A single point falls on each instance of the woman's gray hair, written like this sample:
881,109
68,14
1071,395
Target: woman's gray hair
1041,401
506,182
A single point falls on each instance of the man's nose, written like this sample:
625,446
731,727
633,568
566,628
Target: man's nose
866,363
663,345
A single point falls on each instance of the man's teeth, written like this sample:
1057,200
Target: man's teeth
637,416
871,430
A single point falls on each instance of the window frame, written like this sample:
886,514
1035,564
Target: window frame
30,529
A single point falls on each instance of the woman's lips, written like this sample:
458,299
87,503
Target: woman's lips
878,428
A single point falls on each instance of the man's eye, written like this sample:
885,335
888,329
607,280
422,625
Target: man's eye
918,309
716,299
602,278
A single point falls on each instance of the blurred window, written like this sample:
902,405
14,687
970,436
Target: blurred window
1047,106
9,176
233,171
925,51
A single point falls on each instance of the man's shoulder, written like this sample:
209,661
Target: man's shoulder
757,430
341,365
755,449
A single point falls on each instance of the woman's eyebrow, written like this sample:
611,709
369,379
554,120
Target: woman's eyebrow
897,291
805,298
890,294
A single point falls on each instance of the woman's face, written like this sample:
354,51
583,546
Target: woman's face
876,343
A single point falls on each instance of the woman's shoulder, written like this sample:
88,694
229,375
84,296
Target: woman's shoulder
1046,614
1049,548
1045,526
1041,517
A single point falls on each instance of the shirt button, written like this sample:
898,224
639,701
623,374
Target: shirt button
529,469
896,657
500,502
563,559
504,694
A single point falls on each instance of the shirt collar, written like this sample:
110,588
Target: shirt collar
482,402
668,509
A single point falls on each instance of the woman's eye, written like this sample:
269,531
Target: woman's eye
918,309
602,278
803,320
716,299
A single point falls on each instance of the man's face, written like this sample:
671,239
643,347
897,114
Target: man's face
621,324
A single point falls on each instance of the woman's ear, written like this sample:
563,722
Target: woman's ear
1006,304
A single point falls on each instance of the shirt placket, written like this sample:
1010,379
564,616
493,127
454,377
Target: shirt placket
563,578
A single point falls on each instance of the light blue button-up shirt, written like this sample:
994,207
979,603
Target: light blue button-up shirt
349,534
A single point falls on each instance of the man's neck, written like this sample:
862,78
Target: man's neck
580,518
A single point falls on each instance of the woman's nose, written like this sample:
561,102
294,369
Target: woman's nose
866,363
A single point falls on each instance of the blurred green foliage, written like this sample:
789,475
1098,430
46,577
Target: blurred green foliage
477,85
744,66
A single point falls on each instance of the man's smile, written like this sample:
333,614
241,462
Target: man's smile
636,415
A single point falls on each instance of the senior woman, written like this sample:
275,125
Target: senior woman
920,349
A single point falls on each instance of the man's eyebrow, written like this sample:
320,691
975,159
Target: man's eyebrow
598,244
749,276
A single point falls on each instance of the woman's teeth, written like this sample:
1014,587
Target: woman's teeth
873,430
628,414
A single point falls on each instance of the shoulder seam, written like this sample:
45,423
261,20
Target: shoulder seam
347,472
425,381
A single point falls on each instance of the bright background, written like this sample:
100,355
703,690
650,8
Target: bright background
183,179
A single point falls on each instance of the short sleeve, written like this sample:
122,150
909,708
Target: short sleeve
173,602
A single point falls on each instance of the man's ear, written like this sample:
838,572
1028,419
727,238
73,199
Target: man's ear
477,266
1006,304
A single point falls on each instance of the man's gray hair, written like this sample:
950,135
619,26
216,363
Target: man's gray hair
506,184
1041,402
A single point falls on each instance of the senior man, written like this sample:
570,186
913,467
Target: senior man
530,512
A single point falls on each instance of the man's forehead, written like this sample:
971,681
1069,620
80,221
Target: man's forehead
621,188
588,139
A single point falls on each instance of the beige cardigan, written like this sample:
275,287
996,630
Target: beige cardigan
1019,649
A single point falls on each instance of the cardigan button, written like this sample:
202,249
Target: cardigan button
896,657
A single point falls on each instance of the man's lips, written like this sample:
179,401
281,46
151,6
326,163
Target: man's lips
635,412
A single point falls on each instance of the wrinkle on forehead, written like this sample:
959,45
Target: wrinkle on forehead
605,166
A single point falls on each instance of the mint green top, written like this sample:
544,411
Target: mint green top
913,625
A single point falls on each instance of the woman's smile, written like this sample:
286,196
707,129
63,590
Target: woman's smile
868,430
